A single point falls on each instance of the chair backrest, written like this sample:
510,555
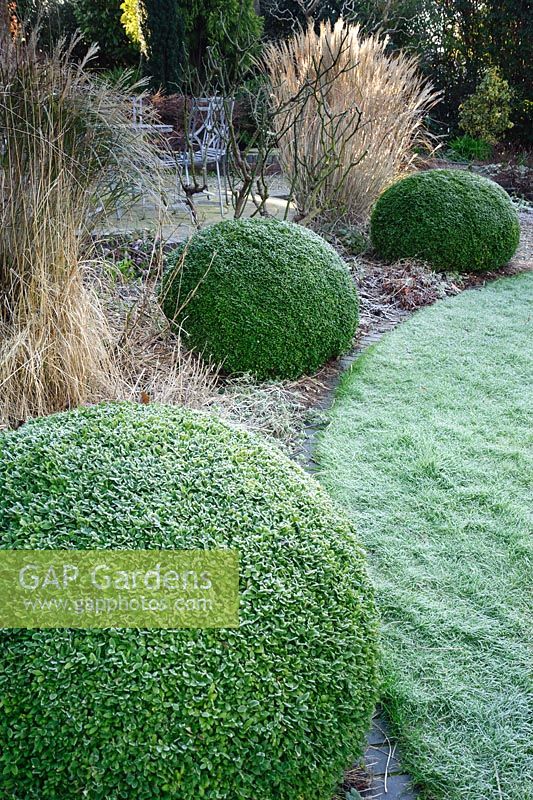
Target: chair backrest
208,125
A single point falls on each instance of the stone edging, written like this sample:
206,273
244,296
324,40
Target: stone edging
382,766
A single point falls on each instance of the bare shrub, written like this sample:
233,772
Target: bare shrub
67,152
340,99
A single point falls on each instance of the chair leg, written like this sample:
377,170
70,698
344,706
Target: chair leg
225,176
219,181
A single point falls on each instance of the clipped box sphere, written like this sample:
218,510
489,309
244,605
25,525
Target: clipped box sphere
273,709
266,297
451,218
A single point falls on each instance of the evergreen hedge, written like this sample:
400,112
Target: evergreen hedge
273,709
266,297
453,219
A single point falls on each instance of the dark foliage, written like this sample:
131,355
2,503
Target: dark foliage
99,21
56,19
222,26
164,33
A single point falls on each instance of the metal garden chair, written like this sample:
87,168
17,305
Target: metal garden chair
208,140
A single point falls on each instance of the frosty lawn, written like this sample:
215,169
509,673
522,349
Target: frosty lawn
430,450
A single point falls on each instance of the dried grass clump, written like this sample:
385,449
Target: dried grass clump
276,410
67,151
315,79
152,363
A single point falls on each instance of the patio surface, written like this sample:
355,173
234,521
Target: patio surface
175,222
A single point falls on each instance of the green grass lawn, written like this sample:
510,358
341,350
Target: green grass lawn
430,449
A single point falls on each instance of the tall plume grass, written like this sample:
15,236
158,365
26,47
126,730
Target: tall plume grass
316,78
67,152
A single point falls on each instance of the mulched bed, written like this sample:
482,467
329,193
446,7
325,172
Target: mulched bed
388,294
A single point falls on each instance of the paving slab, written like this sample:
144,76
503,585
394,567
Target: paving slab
393,787
382,759
379,732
